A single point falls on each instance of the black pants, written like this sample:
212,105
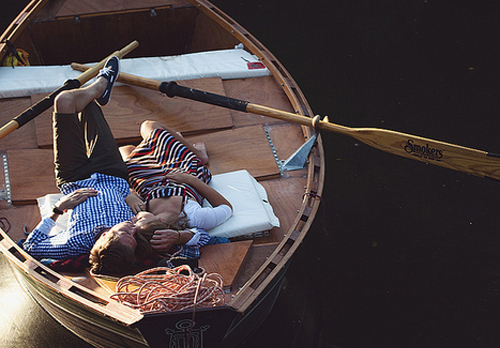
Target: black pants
84,145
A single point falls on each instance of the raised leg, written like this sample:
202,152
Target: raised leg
199,149
75,100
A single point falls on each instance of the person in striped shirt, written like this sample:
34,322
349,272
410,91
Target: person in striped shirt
169,178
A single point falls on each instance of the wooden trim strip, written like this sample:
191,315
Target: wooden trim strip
112,13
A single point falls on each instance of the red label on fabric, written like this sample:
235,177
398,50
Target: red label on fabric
255,65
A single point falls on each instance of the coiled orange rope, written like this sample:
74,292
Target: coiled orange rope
165,289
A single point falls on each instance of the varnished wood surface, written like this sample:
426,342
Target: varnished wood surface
225,259
242,148
87,39
32,170
255,258
32,174
263,89
23,137
130,106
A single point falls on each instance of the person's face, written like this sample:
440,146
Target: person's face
125,232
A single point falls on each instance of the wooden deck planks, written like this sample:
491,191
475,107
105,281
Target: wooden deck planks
225,259
257,90
129,106
26,216
32,170
31,173
242,148
254,260
283,198
23,137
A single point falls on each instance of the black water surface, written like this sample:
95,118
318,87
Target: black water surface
410,255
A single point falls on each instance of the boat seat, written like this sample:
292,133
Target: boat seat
32,170
225,259
226,64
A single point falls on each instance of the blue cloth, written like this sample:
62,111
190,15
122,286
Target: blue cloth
218,240
107,209
191,249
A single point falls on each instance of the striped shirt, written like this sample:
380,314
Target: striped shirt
156,156
107,209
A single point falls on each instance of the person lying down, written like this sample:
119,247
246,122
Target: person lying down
93,179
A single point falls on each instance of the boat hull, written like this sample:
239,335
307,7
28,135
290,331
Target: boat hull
217,327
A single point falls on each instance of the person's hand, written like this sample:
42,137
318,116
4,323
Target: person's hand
135,203
178,177
73,199
163,240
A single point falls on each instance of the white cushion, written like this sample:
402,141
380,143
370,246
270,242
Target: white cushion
226,64
251,209
45,205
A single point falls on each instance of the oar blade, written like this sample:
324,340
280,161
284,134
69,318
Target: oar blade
463,159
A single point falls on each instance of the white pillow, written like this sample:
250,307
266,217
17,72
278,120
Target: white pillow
45,205
251,209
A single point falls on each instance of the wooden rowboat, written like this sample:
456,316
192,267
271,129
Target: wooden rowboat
183,35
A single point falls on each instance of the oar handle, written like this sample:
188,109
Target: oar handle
172,89
36,109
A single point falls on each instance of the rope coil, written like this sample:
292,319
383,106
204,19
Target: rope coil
165,289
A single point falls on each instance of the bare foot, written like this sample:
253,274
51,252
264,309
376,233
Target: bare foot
201,152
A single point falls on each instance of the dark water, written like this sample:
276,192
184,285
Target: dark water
410,257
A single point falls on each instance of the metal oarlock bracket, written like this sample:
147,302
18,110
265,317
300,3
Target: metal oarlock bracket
297,160
5,194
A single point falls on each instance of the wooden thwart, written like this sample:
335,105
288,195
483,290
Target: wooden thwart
129,106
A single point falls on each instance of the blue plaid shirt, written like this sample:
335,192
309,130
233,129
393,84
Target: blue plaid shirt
107,209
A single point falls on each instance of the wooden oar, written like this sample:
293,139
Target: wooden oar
463,159
36,109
